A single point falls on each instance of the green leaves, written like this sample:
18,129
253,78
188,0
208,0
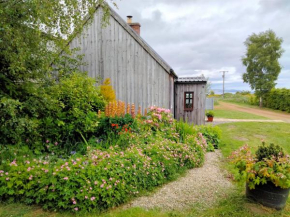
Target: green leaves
268,165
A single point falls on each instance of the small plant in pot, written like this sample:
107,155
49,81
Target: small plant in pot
209,115
267,174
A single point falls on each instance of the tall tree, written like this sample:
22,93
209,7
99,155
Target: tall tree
32,34
261,60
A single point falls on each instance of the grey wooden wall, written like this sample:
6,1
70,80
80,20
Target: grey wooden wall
113,53
197,116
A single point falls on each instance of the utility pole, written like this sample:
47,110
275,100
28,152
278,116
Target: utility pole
224,76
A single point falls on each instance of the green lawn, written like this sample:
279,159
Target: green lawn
235,135
237,115
235,204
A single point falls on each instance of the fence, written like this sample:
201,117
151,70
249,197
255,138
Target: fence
209,105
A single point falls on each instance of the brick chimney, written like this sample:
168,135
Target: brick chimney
134,26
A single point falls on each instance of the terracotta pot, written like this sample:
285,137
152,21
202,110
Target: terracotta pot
209,119
268,195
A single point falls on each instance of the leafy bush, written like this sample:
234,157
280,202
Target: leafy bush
78,102
98,180
58,113
211,133
278,99
268,152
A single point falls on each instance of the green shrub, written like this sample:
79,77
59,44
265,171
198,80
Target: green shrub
268,152
58,113
278,99
98,180
211,133
78,102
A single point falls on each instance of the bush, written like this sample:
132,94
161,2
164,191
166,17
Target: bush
278,99
58,113
98,180
124,157
268,152
211,133
78,103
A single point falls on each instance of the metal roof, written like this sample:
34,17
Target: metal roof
201,79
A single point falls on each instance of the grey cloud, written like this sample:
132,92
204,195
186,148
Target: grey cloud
211,37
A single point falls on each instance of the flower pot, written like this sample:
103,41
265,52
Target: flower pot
209,119
268,195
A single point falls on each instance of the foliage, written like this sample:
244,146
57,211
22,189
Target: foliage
212,134
79,101
271,168
278,99
261,60
268,152
32,34
58,114
209,114
98,180
107,91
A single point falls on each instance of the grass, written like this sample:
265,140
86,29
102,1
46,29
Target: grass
237,134
236,115
234,204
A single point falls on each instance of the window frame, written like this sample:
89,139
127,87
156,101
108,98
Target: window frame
188,109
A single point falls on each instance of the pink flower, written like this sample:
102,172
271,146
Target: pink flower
65,178
93,198
86,197
1,171
56,143
76,209
47,141
102,185
30,177
46,171
74,202
7,178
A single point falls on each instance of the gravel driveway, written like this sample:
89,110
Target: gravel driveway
202,185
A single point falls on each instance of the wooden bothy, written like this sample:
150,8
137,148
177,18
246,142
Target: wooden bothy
138,74
190,97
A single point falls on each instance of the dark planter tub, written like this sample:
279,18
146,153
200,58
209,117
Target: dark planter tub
268,195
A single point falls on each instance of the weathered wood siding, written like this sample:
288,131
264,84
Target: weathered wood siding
197,116
135,74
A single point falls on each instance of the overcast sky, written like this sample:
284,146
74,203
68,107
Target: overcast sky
206,36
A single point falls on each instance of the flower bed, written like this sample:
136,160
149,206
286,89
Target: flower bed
148,154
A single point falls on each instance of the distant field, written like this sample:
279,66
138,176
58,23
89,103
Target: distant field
236,115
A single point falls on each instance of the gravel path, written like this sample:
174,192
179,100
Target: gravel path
218,121
274,115
200,185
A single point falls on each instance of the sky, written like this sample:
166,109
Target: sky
207,36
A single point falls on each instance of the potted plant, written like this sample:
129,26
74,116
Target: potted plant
209,115
267,174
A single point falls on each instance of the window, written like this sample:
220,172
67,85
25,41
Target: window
188,101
